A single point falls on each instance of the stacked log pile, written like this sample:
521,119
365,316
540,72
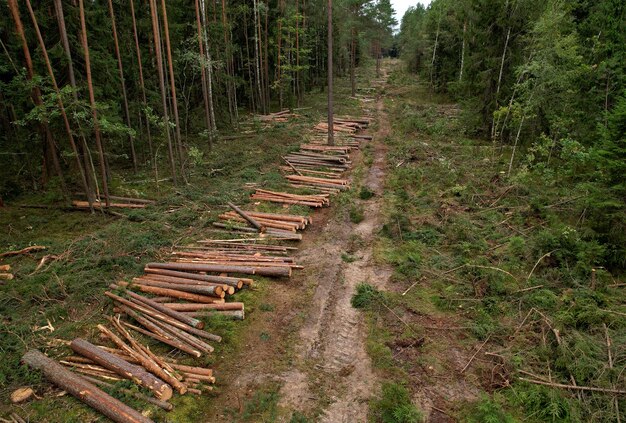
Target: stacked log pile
314,200
282,116
122,203
167,302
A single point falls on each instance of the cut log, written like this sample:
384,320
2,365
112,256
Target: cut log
199,306
173,293
247,217
162,404
168,341
5,267
83,390
137,374
250,270
235,282
6,276
212,291
165,310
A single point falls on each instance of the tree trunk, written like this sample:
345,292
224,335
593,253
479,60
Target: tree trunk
82,147
120,69
92,102
279,76
36,94
142,85
83,390
168,47
205,93
329,69
257,60
432,62
463,52
353,63
159,66
209,68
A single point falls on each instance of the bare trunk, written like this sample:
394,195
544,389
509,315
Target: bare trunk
92,102
463,52
141,80
279,76
205,94
519,130
120,69
331,126
82,147
257,64
432,62
209,68
353,62
159,66
168,48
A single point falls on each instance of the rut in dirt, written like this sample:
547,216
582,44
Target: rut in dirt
333,374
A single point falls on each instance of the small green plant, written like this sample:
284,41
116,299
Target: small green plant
487,411
266,307
365,295
357,214
366,193
395,406
348,258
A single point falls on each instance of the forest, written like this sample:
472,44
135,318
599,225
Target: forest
93,90
312,211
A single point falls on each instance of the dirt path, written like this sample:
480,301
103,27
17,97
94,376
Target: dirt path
332,373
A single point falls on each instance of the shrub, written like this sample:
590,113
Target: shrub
395,406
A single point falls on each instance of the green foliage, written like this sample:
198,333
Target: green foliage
365,193
365,296
395,406
357,213
487,411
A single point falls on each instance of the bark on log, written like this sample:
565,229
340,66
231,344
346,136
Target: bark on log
235,282
165,310
161,404
137,374
83,390
183,281
213,291
245,215
174,293
249,270
198,306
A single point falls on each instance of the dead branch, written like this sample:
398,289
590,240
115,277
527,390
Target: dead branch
27,250
574,388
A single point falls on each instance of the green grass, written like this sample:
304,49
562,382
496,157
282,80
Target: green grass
465,240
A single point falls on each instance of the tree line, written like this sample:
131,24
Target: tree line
545,82
89,88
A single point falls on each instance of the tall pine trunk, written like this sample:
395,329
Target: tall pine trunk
160,72
120,68
92,102
207,114
82,147
142,85
168,47
331,125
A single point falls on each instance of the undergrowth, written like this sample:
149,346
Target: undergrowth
514,263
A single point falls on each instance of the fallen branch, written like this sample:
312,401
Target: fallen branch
26,250
475,354
574,388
